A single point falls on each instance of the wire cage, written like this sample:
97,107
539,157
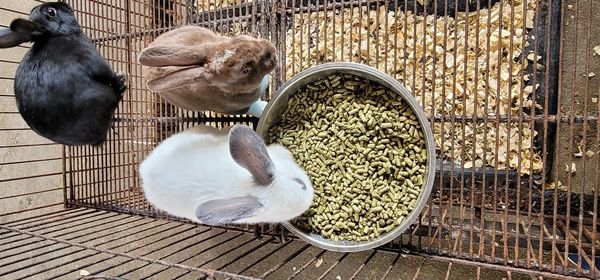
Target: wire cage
509,87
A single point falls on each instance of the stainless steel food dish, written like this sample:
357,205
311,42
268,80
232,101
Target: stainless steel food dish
277,106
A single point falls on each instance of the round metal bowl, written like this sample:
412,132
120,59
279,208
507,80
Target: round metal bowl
277,106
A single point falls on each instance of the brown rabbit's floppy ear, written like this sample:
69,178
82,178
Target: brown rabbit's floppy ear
169,55
250,152
229,210
176,79
21,31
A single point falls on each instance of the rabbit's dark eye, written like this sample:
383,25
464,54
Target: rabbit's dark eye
247,68
51,12
297,180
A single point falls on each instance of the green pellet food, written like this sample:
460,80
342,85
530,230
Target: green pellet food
364,151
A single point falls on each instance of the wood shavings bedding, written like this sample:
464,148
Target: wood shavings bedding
440,63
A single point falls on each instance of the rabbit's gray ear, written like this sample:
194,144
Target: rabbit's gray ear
167,55
229,210
250,152
180,78
20,31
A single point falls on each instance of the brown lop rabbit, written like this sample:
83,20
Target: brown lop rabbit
195,69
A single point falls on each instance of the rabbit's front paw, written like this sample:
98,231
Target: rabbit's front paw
122,82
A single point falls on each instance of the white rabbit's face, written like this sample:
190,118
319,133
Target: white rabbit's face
288,167
291,187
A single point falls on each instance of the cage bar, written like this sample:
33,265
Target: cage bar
509,87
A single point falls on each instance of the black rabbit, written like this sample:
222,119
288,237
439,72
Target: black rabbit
65,90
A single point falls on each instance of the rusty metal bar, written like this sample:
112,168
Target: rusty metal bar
114,247
208,272
499,267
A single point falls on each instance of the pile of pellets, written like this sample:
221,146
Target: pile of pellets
364,151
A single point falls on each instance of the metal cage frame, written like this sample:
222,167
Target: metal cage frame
490,215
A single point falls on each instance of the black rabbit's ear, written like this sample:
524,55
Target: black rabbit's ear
20,31
27,27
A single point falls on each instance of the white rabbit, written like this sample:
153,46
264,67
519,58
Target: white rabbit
222,176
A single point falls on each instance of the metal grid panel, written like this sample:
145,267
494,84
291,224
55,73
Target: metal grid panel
497,196
59,245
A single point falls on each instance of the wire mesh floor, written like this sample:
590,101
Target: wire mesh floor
431,233
60,245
